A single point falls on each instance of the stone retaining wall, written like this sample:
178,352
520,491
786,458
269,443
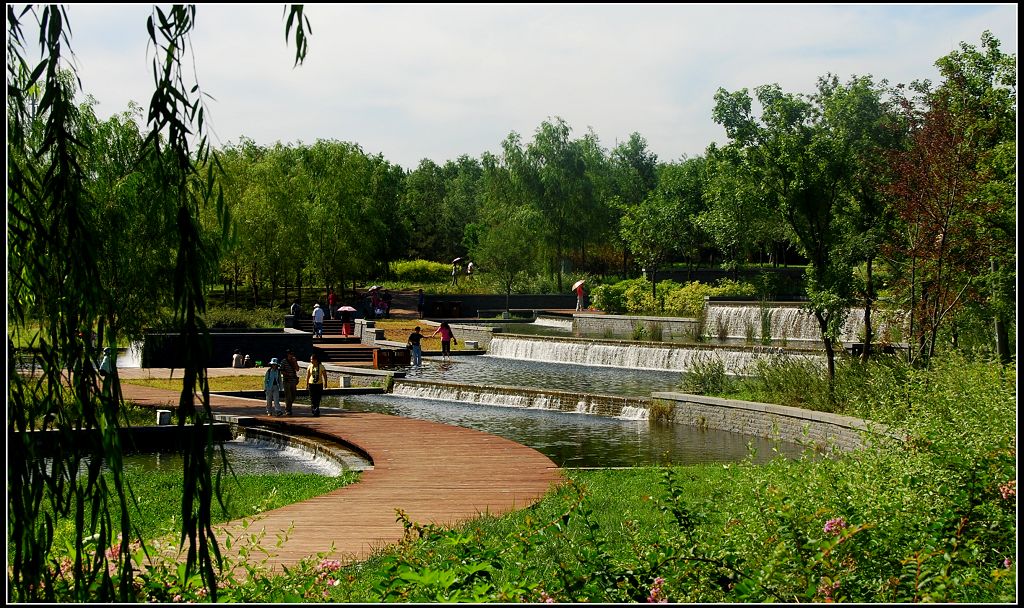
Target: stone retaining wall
829,432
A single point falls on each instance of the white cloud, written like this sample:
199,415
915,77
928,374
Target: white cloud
438,81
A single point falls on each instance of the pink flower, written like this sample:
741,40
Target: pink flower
547,599
657,594
177,598
1007,563
1008,489
835,526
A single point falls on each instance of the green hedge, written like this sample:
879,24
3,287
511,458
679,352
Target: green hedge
633,296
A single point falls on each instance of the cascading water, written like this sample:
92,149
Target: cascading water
649,356
631,408
560,323
742,321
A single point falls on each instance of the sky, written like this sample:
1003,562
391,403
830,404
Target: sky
441,80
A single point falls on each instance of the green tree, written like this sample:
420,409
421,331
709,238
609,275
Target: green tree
424,195
633,175
506,250
803,165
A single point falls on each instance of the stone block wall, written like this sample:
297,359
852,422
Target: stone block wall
828,431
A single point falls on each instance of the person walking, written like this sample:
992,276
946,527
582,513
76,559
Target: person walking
447,337
316,379
272,384
414,346
318,321
469,270
455,272
421,303
290,373
332,301
107,364
579,297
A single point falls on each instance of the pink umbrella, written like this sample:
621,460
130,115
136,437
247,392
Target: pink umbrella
577,284
347,309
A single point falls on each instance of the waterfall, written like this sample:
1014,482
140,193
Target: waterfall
651,356
736,321
556,322
633,408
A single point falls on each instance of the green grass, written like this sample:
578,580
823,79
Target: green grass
158,512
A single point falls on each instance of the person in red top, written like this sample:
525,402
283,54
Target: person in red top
447,337
332,303
579,297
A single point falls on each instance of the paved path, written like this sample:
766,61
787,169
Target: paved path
436,473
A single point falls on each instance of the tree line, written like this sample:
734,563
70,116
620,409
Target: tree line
901,192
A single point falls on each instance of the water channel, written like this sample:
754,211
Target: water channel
247,457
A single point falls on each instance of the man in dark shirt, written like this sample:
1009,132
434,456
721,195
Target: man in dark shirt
414,346
290,373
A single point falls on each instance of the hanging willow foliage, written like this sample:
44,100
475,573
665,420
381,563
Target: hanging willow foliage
55,302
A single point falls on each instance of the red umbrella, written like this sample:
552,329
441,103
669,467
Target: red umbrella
577,284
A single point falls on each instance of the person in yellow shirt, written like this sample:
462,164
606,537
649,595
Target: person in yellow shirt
316,379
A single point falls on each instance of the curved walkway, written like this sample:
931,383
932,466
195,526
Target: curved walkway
435,473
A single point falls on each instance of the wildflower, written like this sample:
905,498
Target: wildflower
547,599
1007,563
827,589
657,595
1008,489
177,597
329,565
201,592
835,526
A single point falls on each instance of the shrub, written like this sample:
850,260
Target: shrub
240,318
421,271
634,296
706,376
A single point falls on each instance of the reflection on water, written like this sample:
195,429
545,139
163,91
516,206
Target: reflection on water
245,458
578,440
484,369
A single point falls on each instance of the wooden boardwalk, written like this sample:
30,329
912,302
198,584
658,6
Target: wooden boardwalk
435,473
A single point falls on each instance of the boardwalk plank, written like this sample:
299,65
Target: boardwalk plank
435,473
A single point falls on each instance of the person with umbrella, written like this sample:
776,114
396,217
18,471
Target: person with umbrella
578,288
345,312
455,270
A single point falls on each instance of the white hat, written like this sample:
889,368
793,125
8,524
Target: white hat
316,306
273,361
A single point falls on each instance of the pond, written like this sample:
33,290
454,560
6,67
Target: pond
485,369
579,440
246,457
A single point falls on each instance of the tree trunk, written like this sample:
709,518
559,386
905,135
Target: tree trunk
830,355
1002,337
869,298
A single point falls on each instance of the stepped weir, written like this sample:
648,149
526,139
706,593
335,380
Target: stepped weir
791,322
628,408
737,360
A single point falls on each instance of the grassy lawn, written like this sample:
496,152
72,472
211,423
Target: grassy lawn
398,330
